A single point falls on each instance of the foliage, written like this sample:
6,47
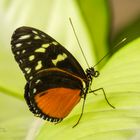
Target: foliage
119,77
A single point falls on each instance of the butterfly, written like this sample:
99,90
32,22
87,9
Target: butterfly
56,81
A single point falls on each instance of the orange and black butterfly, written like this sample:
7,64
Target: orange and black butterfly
55,80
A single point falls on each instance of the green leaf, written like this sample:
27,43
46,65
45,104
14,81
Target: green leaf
131,31
120,80
15,120
96,16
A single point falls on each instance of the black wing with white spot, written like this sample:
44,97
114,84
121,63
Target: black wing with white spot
34,51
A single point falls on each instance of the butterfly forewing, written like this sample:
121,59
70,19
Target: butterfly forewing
34,51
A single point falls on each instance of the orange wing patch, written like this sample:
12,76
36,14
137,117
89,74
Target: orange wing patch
58,102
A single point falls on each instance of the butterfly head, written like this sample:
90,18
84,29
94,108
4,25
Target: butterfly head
91,72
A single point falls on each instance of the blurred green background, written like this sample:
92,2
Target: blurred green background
99,25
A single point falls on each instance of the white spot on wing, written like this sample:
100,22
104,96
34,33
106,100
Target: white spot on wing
37,81
38,66
42,50
31,77
36,37
34,90
35,32
43,35
20,61
18,53
23,51
29,42
24,37
60,57
45,45
18,45
54,43
28,70
32,57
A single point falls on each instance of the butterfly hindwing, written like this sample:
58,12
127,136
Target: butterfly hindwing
34,51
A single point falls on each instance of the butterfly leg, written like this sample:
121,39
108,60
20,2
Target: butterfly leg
81,111
93,91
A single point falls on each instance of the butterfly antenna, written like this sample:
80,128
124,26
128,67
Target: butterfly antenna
78,41
108,53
